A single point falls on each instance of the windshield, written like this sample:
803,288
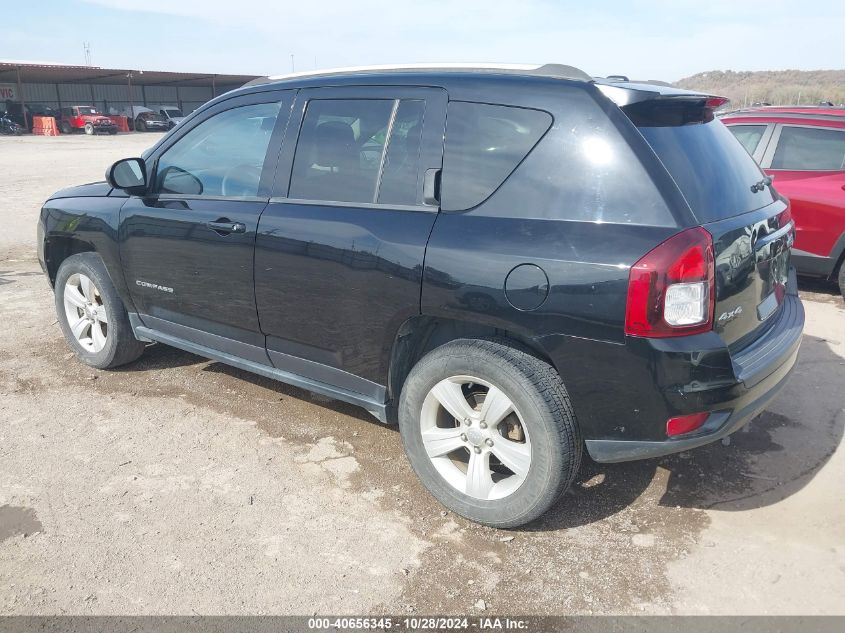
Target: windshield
173,113
87,110
150,116
710,167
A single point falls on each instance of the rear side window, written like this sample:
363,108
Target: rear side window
812,149
709,165
484,144
338,156
748,135
400,177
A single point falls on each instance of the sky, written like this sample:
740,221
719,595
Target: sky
657,39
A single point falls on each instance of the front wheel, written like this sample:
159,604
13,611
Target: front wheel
489,431
92,315
89,128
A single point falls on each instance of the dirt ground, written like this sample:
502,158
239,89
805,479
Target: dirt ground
181,486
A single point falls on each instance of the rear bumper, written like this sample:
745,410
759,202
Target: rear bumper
720,424
658,379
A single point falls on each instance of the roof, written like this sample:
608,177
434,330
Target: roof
545,70
811,110
32,72
790,113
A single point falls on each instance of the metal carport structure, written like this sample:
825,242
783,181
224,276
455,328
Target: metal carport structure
110,90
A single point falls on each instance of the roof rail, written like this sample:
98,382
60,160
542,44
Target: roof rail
546,70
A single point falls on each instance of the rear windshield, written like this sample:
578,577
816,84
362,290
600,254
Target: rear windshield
712,169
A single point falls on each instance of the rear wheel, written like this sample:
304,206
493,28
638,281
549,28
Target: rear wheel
842,279
92,315
89,128
489,430
66,128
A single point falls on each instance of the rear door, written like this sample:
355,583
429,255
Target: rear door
187,246
730,196
808,164
340,247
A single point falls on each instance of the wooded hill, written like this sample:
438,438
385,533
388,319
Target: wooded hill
778,87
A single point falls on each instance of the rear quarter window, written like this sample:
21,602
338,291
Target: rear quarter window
484,144
581,170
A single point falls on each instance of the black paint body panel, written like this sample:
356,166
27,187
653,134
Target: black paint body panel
316,294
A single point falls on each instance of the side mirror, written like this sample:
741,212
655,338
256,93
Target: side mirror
129,174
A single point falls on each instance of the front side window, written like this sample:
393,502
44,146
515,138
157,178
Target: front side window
222,156
812,149
748,135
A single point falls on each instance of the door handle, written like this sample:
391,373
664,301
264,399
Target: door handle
431,187
224,226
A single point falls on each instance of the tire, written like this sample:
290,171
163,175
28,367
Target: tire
106,340
66,129
141,126
842,279
89,129
541,425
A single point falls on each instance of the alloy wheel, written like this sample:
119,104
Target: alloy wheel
475,437
86,313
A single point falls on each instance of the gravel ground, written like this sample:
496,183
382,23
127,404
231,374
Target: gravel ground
179,486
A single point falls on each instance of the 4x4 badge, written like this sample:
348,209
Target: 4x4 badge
727,316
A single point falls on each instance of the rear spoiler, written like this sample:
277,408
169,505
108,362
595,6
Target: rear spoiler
628,93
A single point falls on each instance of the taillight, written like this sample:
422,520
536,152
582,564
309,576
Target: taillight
784,217
671,290
685,423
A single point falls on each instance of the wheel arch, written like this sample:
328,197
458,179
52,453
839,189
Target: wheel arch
58,248
421,334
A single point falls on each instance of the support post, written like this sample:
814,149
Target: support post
131,112
22,99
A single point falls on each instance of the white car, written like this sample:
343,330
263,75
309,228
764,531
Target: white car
172,114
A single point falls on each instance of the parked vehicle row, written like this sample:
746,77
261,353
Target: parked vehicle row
581,265
803,149
88,119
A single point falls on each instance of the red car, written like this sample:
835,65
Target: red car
86,119
803,149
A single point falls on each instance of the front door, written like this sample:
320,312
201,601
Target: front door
340,247
187,247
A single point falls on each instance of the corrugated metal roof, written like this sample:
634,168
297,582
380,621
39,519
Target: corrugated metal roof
33,72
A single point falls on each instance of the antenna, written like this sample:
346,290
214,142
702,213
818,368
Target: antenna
86,46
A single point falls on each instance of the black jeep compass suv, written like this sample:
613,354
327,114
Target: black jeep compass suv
513,264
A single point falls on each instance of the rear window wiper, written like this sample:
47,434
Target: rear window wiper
759,186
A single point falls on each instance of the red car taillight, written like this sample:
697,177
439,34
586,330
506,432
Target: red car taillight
671,290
